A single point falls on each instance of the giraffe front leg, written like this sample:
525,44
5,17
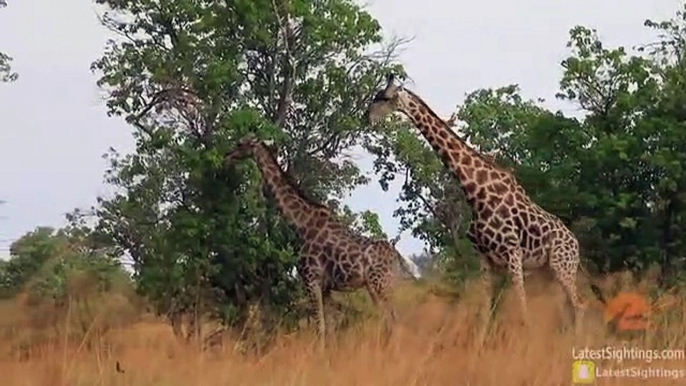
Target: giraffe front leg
486,272
332,312
314,292
514,265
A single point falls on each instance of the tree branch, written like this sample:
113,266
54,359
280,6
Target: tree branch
287,63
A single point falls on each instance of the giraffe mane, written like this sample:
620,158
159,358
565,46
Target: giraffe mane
487,160
290,181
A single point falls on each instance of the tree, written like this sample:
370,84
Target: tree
43,262
432,204
192,78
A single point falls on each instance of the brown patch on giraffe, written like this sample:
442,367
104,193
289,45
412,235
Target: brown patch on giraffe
311,233
518,222
481,176
524,216
496,223
481,195
466,160
486,213
470,172
470,188
295,206
480,206
524,240
535,230
503,211
499,188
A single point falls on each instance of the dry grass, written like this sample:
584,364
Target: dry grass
431,345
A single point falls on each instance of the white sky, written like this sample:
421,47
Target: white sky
54,130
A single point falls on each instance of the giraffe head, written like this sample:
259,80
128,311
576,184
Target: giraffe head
386,101
245,148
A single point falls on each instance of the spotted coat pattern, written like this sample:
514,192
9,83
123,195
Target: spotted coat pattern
508,229
332,257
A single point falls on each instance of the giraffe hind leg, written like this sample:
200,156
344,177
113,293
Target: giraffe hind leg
514,265
565,274
486,272
380,297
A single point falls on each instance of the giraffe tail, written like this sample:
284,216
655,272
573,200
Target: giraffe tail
598,293
594,288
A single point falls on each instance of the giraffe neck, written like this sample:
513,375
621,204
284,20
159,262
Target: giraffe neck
466,164
297,209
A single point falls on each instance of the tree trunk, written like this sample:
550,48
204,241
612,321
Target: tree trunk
667,263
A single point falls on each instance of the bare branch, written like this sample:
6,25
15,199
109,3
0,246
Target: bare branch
287,62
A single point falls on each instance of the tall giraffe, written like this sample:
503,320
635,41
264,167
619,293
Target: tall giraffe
507,229
333,257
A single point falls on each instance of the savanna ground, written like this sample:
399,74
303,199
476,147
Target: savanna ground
431,345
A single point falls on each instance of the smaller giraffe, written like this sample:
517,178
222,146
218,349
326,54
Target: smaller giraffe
332,257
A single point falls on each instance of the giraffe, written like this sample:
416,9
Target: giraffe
508,229
332,257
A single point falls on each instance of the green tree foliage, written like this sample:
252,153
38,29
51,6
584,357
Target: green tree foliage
45,262
27,256
68,284
194,76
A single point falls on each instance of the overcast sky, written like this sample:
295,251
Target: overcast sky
54,130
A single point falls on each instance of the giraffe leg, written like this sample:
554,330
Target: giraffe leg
314,292
566,275
380,298
487,284
514,265
329,307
